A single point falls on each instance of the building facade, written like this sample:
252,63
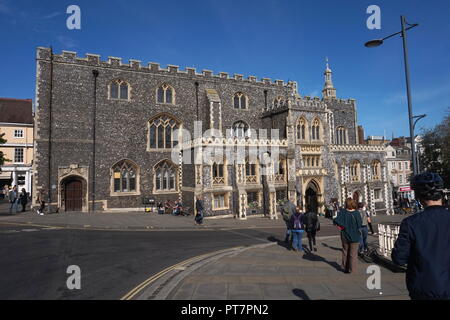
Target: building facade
16,123
136,130
400,169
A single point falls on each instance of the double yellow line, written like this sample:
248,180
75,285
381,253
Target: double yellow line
130,295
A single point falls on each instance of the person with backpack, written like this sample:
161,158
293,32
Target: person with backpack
287,211
424,241
297,230
312,225
349,222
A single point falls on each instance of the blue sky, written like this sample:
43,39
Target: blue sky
286,40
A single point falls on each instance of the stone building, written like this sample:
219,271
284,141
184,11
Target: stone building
134,127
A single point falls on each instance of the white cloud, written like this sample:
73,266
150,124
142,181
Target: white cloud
67,42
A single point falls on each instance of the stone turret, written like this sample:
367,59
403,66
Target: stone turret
328,92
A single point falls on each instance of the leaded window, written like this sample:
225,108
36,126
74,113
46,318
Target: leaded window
315,130
165,94
301,129
119,89
240,101
124,175
241,129
165,177
341,135
162,132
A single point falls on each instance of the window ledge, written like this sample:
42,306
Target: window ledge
165,192
124,194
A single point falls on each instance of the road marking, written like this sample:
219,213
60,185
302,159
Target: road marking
130,295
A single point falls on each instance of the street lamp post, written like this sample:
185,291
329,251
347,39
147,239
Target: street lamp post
378,42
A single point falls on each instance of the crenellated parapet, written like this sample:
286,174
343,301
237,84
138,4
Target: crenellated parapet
356,148
94,60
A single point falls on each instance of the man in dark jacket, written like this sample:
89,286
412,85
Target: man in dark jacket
423,243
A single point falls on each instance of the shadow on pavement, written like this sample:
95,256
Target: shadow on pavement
301,294
279,242
330,247
314,257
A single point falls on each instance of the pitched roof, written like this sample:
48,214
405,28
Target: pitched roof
16,111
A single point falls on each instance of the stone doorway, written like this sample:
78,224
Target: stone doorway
312,197
73,195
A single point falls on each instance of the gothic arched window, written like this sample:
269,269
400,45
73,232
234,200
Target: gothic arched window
240,101
315,130
355,171
301,129
341,135
240,129
165,176
376,170
162,131
119,89
165,94
125,175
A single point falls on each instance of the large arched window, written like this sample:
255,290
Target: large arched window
355,171
165,94
315,130
341,135
125,176
240,101
241,129
162,131
302,127
165,176
376,170
119,89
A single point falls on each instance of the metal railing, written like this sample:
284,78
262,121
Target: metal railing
387,235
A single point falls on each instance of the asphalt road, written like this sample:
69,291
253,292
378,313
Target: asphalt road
34,260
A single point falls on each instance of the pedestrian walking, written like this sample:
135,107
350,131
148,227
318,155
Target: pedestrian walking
41,203
423,243
287,210
312,225
297,229
23,198
13,200
363,247
369,220
349,222
199,207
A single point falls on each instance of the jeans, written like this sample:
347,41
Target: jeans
13,207
363,242
297,239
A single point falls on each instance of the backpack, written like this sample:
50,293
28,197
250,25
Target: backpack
297,222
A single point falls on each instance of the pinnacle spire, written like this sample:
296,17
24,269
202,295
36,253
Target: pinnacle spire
328,90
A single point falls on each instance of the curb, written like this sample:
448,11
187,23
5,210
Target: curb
162,286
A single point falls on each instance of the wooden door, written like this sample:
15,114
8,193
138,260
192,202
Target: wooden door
74,196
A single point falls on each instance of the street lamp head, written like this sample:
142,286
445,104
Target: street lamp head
374,43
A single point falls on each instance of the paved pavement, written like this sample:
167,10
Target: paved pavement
267,270
272,272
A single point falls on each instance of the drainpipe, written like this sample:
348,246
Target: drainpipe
94,115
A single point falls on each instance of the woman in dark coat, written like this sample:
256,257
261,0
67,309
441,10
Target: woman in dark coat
23,198
200,208
349,222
